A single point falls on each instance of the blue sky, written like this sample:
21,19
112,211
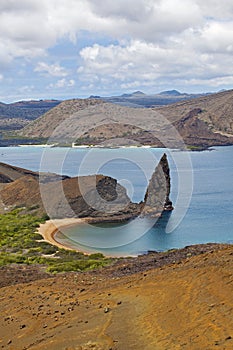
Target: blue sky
68,49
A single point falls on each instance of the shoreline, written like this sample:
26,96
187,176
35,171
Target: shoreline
49,229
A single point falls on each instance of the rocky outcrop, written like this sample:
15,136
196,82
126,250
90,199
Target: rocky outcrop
84,196
157,195
97,196
4,179
196,132
13,173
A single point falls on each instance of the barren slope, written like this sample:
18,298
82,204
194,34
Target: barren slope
186,305
93,121
216,111
46,124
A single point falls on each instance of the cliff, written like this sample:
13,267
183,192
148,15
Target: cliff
97,196
157,195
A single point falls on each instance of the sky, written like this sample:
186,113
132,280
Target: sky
76,48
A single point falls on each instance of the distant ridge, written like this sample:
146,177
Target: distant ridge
134,94
14,116
172,93
17,115
140,99
202,122
138,93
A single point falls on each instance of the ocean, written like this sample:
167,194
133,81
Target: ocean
202,193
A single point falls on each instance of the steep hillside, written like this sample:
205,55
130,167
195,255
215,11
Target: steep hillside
12,173
172,302
203,122
216,111
46,124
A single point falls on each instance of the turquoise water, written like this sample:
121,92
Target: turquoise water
203,178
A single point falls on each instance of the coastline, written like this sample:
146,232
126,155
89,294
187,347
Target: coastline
49,229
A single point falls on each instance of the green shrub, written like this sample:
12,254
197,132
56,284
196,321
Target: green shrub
96,256
20,243
80,265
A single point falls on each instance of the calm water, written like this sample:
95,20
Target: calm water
202,193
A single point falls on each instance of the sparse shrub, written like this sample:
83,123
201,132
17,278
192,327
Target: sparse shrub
96,256
21,244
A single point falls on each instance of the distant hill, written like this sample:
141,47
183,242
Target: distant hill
16,115
26,109
216,112
134,94
36,104
140,99
46,124
202,122
138,93
172,93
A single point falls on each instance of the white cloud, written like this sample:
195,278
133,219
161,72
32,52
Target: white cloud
54,70
31,26
62,83
145,19
214,82
146,64
22,5
169,41
216,37
216,9
26,89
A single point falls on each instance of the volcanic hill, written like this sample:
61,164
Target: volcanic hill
201,122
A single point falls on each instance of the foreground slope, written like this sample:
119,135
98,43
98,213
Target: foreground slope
185,305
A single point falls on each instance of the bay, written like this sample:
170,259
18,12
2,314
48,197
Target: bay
202,193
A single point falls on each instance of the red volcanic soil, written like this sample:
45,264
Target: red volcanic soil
164,301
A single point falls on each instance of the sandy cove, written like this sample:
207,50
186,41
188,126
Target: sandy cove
50,228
